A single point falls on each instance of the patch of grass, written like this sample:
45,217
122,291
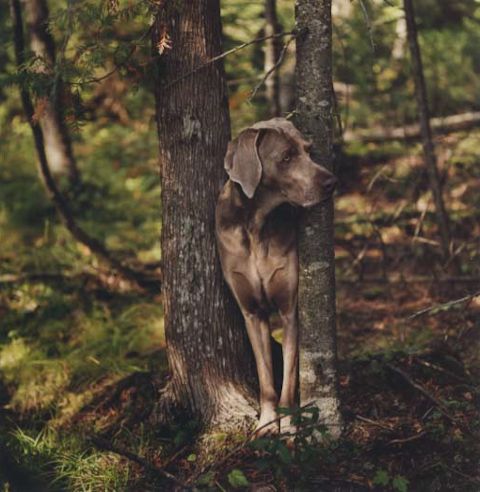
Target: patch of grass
64,462
63,349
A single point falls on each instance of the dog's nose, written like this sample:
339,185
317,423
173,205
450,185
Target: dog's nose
329,185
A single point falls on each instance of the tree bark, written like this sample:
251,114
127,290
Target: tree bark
425,129
317,314
208,352
58,145
272,53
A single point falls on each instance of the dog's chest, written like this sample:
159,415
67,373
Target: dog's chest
265,258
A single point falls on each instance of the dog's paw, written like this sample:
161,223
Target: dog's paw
287,428
268,424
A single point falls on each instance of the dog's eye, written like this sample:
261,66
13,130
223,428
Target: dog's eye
287,157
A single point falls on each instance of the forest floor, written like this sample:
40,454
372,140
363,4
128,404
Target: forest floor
77,384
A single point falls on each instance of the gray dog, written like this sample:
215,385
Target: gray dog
270,170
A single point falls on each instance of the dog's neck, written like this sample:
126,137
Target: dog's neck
257,208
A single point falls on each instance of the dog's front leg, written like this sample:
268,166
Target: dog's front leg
290,366
259,334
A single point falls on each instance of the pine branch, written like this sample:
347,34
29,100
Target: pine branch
61,204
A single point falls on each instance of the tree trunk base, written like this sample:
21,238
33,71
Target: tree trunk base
235,410
230,409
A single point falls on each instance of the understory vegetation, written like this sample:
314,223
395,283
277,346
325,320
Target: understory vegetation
82,352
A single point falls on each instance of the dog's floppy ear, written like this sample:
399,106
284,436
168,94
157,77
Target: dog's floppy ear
242,161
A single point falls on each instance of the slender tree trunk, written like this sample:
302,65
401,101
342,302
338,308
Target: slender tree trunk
425,129
58,146
208,352
317,317
272,52
400,44
54,193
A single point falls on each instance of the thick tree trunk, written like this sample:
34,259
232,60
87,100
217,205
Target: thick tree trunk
208,352
58,146
318,364
272,52
425,130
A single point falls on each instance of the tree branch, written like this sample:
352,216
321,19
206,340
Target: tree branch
445,306
422,390
225,54
441,125
273,68
147,465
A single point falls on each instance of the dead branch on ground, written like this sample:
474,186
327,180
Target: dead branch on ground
440,126
147,465
444,307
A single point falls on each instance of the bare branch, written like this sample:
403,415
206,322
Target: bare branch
227,53
422,390
147,465
445,306
441,125
275,67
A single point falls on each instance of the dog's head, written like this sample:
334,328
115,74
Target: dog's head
275,155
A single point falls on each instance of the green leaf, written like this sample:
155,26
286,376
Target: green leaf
400,483
192,457
263,464
381,478
237,479
261,444
284,454
285,411
207,479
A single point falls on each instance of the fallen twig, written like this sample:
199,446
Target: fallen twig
475,480
440,369
108,446
442,125
408,439
422,390
373,422
443,307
